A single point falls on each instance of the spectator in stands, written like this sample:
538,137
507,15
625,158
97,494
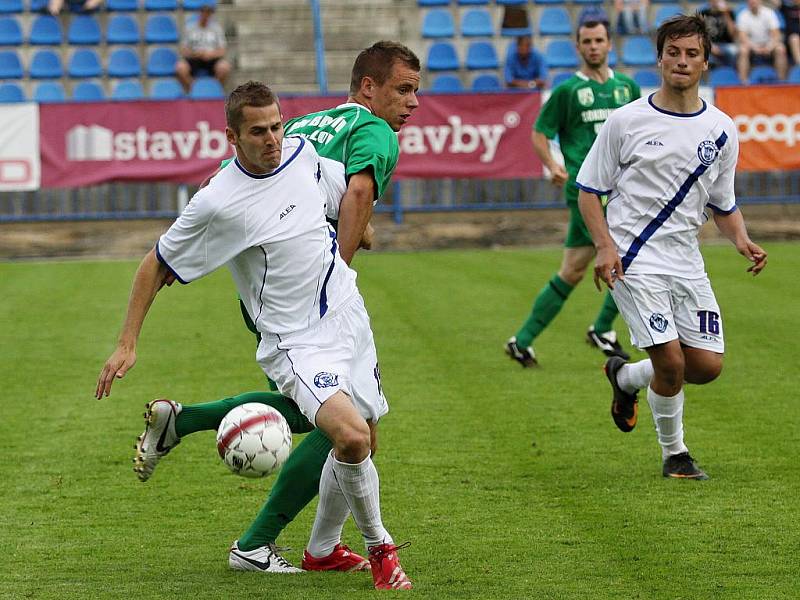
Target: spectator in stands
721,23
631,16
790,9
54,6
203,48
760,40
525,67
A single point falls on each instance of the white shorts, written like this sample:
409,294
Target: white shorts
662,308
336,354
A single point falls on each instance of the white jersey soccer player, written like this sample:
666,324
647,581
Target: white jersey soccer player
662,161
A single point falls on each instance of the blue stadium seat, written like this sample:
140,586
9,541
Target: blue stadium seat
161,62
794,75
561,77
10,32
723,76
612,58
11,6
555,21
197,4
433,2
45,31
160,29
45,64
473,2
122,5
647,78
477,22
128,90
206,88
84,30
161,4
10,65
561,54
559,2
438,23
638,51
124,62
38,5
122,29
88,91
512,2
486,83
666,12
166,89
49,92
763,74
442,57
84,63
10,93
447,83
481,55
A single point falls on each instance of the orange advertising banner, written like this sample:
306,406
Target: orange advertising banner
768,122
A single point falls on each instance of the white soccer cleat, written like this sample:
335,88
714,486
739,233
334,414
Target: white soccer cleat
265,559
158,438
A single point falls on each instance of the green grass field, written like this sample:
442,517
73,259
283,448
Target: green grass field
510,483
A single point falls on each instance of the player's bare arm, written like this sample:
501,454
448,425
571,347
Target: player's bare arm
541,145
607,265
151,276
355,212
732,227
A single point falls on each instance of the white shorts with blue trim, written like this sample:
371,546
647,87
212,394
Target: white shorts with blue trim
662,308
336,354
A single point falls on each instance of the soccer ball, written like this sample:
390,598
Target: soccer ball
254,440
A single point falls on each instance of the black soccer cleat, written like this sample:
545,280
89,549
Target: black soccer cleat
624,406
523,356
606,342
682,466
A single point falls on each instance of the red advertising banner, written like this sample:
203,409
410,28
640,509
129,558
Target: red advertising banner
462,135
768,122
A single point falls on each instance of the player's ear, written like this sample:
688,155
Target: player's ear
230,134
367,86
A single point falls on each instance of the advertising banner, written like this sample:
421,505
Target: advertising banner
768,121
19,147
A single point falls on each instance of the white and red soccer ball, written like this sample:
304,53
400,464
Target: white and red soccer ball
254,440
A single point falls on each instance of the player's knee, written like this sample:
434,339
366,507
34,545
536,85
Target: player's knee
670,375
705,373
352,441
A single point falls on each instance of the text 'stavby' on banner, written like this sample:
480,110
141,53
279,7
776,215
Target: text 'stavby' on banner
90,143
768,122
20,168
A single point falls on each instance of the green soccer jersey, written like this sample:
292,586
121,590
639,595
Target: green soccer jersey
576,110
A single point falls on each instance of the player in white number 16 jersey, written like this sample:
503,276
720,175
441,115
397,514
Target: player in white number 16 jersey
662,160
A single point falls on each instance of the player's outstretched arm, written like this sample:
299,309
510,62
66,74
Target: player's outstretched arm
607,265
355,212
151,276
732,226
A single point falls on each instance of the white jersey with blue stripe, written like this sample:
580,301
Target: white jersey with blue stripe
271,232
660,171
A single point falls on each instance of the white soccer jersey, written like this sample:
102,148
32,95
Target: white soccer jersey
660,170
271,232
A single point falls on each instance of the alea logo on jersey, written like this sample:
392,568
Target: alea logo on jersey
707,151
658,322
287,210
323,380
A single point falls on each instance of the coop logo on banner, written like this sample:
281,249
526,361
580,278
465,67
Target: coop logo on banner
20,168
97,143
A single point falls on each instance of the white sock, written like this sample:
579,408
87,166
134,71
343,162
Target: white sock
634,376
668,418
360,486
332,512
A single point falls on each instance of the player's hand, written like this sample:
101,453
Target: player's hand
367,238
756,255
558,175
116,366
607,267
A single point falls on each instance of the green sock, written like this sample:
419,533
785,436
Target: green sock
295,487
545,308
208,415
607,314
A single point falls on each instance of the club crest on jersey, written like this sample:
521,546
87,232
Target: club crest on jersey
707,151
658,322
586,96
323,379
622,95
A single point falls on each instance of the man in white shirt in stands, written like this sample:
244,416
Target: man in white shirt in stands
663,160
264,217
760,40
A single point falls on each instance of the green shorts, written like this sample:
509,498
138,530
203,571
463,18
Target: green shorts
577,233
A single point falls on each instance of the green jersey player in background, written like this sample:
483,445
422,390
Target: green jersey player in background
358,140
574,112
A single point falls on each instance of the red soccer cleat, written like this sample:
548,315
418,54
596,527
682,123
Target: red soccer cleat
341,559
386,569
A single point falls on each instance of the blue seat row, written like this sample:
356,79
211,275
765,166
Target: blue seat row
437,3
85,30
19,6
85,63
204,88
439,23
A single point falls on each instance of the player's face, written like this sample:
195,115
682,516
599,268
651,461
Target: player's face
594,45
396,99
682,62
258,141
